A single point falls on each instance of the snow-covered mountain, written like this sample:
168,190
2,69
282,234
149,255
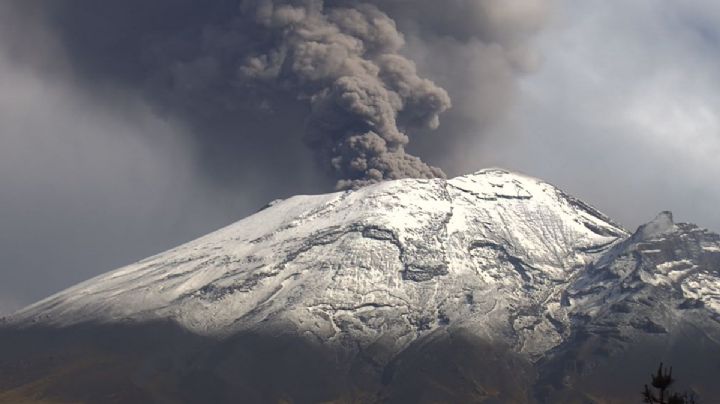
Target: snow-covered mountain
401,258
400,268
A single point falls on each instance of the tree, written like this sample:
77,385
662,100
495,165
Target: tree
662,381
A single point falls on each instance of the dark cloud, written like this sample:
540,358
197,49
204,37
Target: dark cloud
476,50
227,68
345,63
221,68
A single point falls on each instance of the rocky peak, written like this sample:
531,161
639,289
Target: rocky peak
662,223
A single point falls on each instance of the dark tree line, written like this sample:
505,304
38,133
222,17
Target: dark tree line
661,394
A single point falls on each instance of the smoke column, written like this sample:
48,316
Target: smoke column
343,65
363,94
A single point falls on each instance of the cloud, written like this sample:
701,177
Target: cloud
333,71
330,72
623,112
477,51
76,177
8,306
345,62
95,178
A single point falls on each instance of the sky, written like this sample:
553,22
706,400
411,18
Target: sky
127,128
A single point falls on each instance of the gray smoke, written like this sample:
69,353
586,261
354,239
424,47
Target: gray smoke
230,69
477,50
363,94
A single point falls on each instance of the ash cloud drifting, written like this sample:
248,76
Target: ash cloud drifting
345,63
477,50
228,67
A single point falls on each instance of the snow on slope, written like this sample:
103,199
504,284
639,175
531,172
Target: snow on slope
492,252
661,273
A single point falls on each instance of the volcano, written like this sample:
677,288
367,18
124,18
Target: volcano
493,287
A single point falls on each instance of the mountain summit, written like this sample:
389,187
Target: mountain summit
489,287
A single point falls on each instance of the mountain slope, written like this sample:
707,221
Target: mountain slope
490,287
400,259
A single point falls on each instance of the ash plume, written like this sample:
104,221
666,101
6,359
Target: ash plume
255,79
363,93
477,50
